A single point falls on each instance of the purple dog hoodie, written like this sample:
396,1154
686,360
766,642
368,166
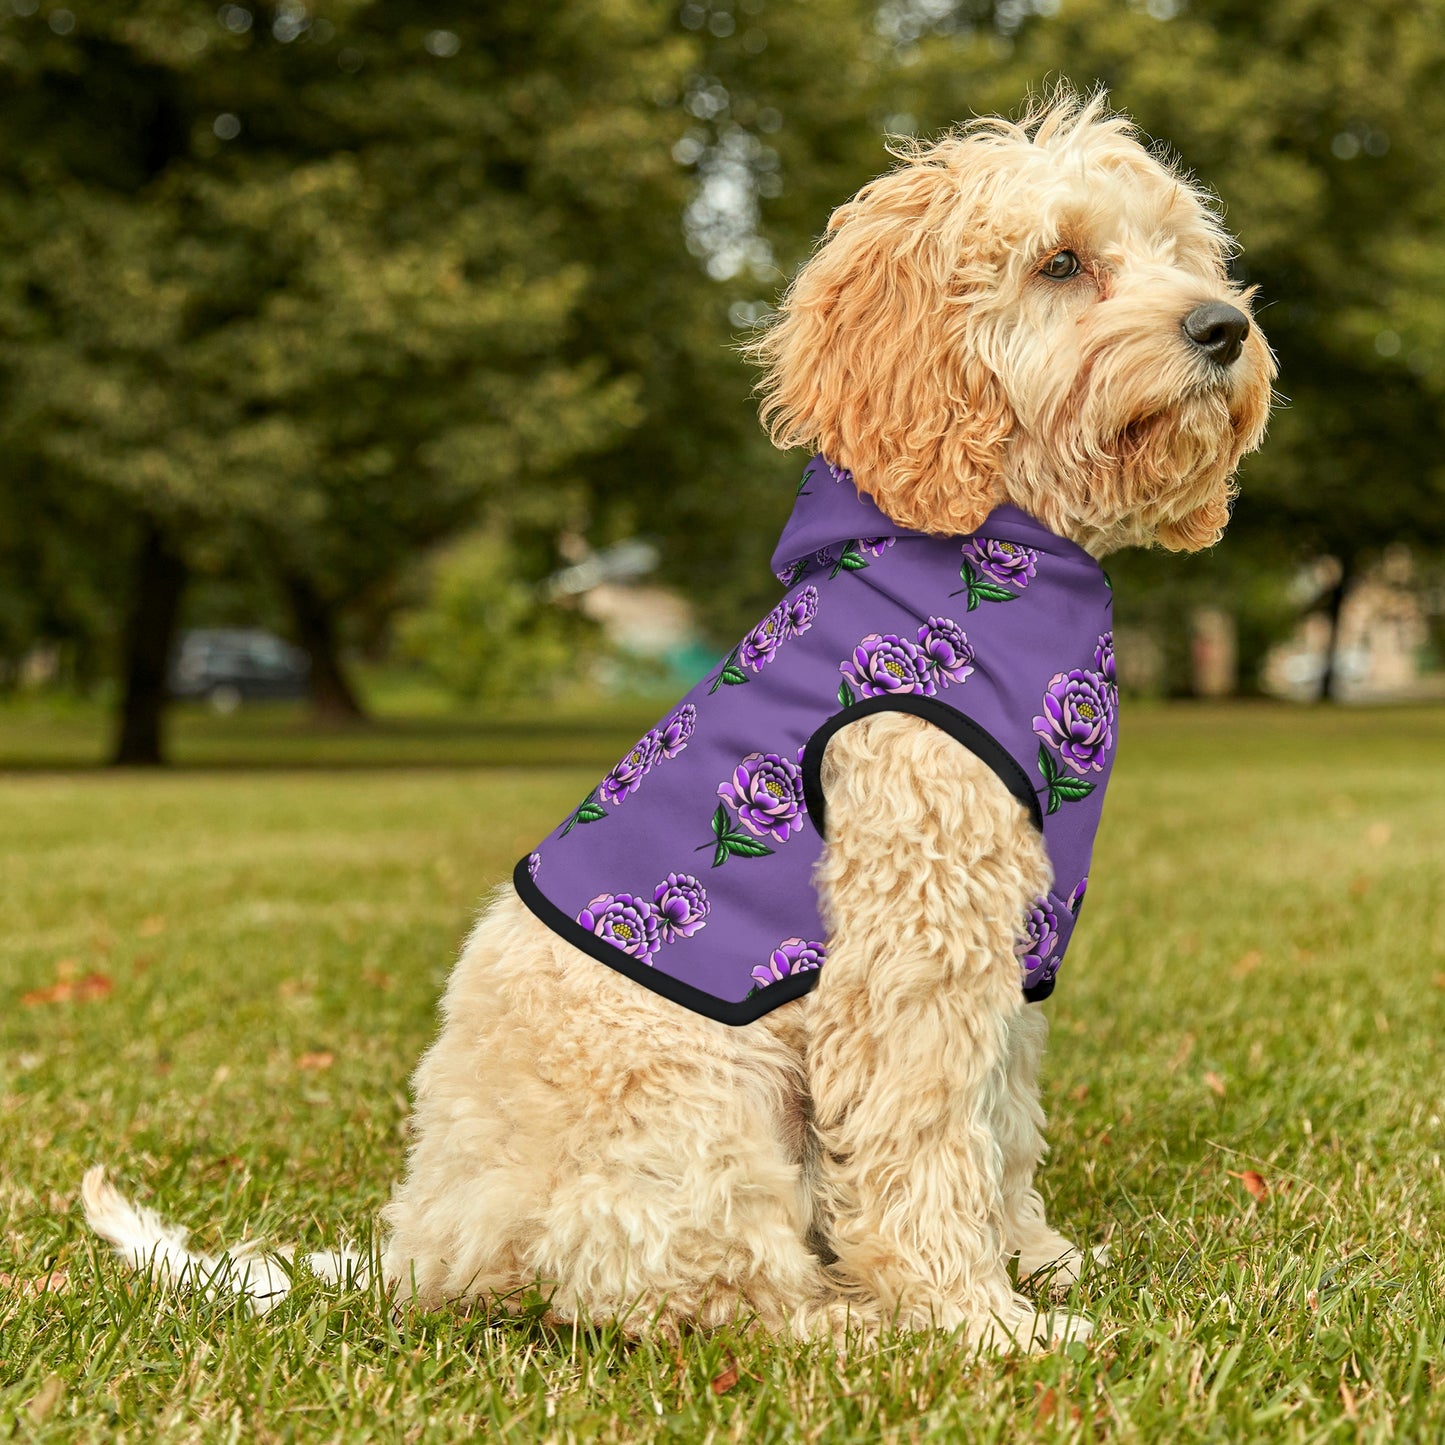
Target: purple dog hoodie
690,866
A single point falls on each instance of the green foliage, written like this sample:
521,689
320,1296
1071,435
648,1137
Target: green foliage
487,635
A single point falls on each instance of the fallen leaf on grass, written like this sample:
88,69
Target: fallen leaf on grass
151,927
1248,963
1214,1083
56,1282
320,1059
1254,1182
724,1382
80,990
1080,1094
1046,1408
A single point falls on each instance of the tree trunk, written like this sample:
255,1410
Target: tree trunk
333,699
1329,679
150,631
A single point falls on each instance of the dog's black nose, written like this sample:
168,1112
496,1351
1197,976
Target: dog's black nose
1218,331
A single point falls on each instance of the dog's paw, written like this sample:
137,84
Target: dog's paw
1057,1266
1023,1326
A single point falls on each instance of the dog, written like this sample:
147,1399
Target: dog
1030,315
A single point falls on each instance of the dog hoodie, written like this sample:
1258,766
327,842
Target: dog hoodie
690,866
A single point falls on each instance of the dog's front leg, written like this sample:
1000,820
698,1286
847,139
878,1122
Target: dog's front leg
929,867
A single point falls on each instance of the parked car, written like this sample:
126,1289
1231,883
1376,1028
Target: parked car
230,665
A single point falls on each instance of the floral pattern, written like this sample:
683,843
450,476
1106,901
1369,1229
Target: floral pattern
534,862
681,905
1038,941
1077,724
1001,561
887,665
1104,658
766,793
792,955
626,922
1076,898
792,616
625,777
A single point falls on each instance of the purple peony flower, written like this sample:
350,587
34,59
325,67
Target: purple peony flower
799,613
1076,898
839,474
1002,561
1104,658
762,642
626,776
674,733
792,955
823,556
534,862
947,647
790,574
1078,719
874,546
888,664
1038,941
681,905
623,921
766,791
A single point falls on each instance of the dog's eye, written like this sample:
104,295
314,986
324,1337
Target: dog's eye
1060,266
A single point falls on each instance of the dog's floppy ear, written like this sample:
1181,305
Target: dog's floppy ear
871,358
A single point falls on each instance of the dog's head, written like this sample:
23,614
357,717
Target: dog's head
1036,313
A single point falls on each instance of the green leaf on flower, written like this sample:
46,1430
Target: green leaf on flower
742,846
732,676
729,673
852,562
720,854
1047,766
591,813
845,695
1071,789
992,592
720,822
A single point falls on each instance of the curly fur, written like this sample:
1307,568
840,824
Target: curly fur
865,1155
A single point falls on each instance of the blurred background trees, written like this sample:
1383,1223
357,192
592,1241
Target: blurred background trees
293,295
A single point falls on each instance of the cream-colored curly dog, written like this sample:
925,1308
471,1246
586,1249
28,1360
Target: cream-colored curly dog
1001,318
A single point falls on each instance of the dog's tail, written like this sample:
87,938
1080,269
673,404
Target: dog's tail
147,1243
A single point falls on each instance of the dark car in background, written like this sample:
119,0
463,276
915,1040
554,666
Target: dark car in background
227,666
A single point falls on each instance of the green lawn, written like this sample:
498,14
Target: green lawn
217,980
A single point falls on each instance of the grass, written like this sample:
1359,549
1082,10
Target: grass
217,981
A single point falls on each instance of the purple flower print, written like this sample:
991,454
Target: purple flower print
823,556
874,546
1078,719
1076,898
681,905
945,644
1038,941
674,733
840,474
799,613
626,922
1104,658
762,642
883,665
627,774
792,955
534,862
1002,561
766,792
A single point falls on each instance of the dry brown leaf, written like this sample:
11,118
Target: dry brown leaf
1046,1408
82,990
724,1382
1254,1183
1080,1094
1214,1083
151,927
319,1059
56,1282
1248,963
